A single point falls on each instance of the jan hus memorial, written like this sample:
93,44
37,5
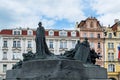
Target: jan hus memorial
74,64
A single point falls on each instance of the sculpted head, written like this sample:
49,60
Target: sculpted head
40,24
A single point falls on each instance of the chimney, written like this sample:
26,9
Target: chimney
116,20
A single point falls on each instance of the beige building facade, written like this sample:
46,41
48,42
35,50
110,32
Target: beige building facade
112,42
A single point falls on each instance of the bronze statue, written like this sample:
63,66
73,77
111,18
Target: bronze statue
83,51
42,50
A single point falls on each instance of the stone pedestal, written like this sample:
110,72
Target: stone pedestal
57,70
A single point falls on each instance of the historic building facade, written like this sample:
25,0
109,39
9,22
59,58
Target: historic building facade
14,42
92,29
105,41
112,54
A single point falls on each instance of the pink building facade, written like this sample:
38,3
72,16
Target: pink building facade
92,29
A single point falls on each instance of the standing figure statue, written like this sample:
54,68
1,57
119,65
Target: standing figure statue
42,50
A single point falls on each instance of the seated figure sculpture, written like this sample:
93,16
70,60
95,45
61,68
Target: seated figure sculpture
70,54
83,53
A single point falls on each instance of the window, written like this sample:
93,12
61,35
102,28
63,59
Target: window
16,56
30,32
91,44
73,33
111,45
29,44
51,44
111,68
110,56
91,24
110,35
63,33
16,44
73,43
51,33
84,35
4,55
4,68
5,44
91,35
98,35
16,32
63,44
98,45
108,45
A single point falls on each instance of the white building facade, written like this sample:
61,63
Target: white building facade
15,42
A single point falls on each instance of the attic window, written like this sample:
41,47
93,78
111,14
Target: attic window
63,33
51,33
73,33
16,32
30,32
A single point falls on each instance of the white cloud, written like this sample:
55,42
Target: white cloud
28,13
107,9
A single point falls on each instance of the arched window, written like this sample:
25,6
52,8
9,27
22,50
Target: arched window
111,68
112,78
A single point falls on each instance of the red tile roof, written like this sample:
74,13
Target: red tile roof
24,32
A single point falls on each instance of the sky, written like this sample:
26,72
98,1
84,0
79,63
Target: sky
56,14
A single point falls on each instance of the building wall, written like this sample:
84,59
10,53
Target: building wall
23,38
113,71
90,28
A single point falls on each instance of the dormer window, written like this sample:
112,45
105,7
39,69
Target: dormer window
30,32
16,32
51,33
73,33
63,33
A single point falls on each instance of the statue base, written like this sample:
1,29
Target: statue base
57,70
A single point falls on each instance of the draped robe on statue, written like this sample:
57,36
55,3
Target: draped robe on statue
41,47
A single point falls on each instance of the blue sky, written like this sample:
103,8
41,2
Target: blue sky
56,14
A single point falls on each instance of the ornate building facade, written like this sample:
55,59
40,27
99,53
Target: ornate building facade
112,43
92,29
15,42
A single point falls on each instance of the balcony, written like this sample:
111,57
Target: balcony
5,48
63,49
29,48
16,48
